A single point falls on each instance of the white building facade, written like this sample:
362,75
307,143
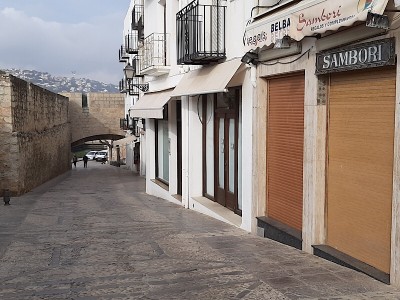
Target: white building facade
197,111
280,117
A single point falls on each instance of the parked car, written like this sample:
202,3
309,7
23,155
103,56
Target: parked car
92,154
102,155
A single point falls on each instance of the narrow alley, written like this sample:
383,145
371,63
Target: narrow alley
94,234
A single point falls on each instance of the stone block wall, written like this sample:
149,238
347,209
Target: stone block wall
100,117
35,134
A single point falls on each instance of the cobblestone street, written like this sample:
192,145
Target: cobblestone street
95,234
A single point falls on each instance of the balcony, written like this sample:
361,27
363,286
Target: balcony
137,17
153,55
200,34
133,86
122,86
129,123
123,55
133,125
132,42
123,124
138,20
136,62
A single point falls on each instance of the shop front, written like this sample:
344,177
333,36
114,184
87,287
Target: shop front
360,145
212,101
326,131
222,147
162,144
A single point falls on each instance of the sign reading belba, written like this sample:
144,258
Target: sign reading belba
367,55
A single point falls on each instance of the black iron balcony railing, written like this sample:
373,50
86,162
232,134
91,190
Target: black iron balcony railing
123,124
123,55
135,129
132,42
136,61
141,31
129,123
137,17
133,85
153,53
122,86
200,33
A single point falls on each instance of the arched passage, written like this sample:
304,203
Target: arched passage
96,138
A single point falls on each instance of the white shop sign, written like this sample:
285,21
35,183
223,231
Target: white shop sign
308,18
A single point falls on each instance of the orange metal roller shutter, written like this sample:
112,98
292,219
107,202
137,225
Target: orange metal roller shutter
285,137
360,164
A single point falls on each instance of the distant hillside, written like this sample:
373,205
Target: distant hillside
63,84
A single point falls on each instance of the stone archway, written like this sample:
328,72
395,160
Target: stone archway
97,137
95,116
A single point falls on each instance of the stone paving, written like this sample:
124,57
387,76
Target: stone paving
94,234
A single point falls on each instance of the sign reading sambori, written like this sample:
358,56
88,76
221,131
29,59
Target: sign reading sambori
367,55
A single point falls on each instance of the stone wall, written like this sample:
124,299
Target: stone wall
35,134
100,118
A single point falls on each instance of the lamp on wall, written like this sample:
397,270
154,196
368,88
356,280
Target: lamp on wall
129,72
250,58
283,43
377,21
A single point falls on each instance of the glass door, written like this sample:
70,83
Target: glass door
179,144
226,160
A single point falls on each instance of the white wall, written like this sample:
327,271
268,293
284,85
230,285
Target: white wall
173,156
236,10
195,150
192,151
143,154
153,17
172,9
150,155
185,151
129,156
247,151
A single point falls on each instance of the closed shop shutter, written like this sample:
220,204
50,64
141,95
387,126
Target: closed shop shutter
285,136
360,164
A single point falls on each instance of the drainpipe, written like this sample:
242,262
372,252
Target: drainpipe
187,154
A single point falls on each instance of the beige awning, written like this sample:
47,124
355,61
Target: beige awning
125,141
208,80
307,18
151,105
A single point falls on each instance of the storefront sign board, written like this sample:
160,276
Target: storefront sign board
366,55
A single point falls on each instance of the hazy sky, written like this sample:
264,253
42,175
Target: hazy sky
63,37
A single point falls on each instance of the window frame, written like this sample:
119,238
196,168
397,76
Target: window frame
156,125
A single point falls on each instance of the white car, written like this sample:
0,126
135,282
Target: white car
92,154
102,155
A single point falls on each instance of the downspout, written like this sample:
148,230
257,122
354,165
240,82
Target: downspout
188,154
